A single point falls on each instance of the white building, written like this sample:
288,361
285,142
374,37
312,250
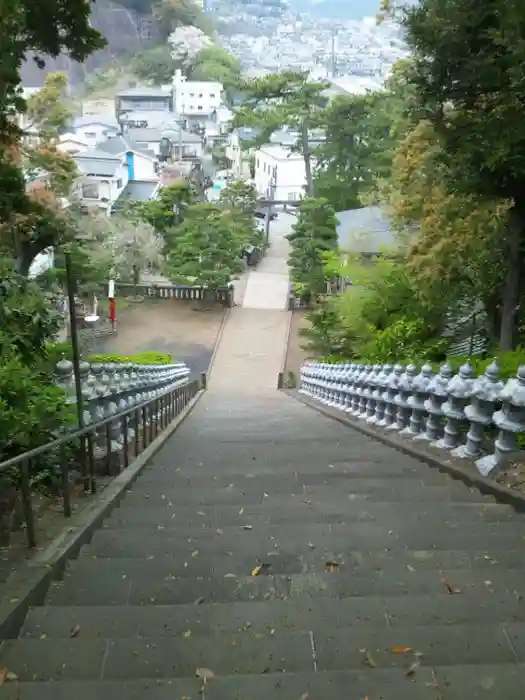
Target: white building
143,164
196,97
95,128
72,144
279,173
103,177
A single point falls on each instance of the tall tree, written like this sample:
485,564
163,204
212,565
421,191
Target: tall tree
50,27
283,99
355,152
468,72
313,235
205,249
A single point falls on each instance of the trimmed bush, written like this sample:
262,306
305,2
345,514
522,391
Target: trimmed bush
148,357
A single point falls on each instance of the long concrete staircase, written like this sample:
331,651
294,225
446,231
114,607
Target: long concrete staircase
270,553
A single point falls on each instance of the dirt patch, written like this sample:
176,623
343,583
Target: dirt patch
167,325
295,355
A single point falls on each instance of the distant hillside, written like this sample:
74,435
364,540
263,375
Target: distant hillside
125,29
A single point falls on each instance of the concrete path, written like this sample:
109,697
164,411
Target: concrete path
278,555
267,286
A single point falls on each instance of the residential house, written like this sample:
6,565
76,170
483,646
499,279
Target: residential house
196,98
239,150
95,128
144,99
103,107
103,177
179,144
144,119
280,173
72,144
366,232
143,164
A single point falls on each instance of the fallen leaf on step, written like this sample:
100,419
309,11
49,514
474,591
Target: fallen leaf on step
241,511
410,568
204,673
187,634
219,531
311,545
401,650
304,696
7,676
199,600
412,668
75,631
229,576
332,567
368,660
257,570
248,527
195,553
450,589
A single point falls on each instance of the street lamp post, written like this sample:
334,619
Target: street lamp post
73,330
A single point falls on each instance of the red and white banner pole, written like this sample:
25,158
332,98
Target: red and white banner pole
112,304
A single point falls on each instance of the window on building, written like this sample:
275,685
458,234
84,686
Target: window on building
292,196
119,183
200,94
192,94
212,94
90,190
199,107
257,162
90,134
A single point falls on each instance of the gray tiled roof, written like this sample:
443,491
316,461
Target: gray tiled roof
143,92
148,134
97,163
95,119
365,230
122,144
137,190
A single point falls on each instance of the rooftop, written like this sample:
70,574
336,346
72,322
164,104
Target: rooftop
144,92
137,190
123,144
365,230
89,119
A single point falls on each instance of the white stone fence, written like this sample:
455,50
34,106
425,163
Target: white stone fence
451,412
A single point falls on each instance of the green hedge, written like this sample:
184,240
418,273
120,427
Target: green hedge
149,357
509,362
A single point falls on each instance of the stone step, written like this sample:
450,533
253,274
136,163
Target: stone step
361,613
269,481
244,653
297,538
173,514
182,564
159,585
365,489
462,682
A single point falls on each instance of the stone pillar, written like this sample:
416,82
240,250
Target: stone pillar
389,397
417,402
401,401
486,392
460,390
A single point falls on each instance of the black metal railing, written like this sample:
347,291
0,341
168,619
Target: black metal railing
93,450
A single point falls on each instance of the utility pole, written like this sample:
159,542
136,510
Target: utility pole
334,64
269,211
305,142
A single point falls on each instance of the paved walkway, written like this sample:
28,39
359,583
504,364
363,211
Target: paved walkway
378,577
267,286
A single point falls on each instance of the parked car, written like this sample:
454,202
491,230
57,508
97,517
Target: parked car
260,213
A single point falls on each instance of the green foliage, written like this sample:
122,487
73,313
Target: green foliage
205,249
239,195
147,357
32,409
215,64
27,318
355,152
154,64
170,14
313,235
170,207
403,338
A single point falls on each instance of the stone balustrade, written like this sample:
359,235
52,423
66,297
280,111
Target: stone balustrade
108,389
477,418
